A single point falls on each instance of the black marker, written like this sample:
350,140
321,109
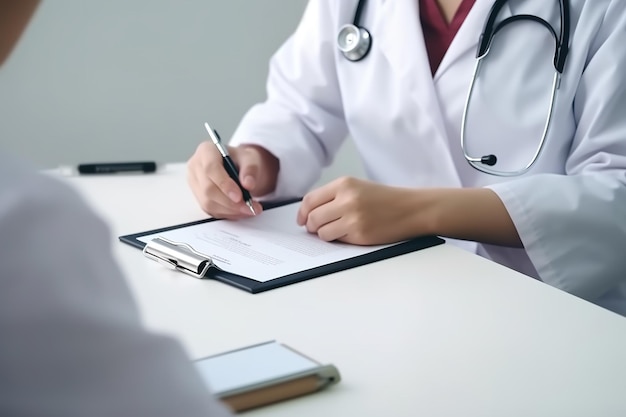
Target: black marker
117,167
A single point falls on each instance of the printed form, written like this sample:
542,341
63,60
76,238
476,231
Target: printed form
264,247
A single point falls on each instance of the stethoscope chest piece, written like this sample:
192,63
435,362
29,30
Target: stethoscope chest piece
354,42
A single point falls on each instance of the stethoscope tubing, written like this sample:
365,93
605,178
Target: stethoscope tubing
484,47
355,41
478,163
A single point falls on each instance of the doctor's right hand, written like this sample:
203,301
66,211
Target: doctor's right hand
218,194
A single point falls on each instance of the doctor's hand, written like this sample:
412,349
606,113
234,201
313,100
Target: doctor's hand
360,212
218,194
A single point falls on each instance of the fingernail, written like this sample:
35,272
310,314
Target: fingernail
245,210
249,181
233,196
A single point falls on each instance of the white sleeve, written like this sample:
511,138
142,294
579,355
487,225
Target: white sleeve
573,226
302,121
71,342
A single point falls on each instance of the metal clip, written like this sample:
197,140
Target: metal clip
178,256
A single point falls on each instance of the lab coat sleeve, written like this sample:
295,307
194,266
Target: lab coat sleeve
71,341
573,226
302,121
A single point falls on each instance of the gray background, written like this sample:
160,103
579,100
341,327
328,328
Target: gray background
120,80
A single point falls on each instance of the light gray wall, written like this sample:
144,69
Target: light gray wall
121,80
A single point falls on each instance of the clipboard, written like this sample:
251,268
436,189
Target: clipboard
182,257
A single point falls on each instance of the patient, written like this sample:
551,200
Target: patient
71,341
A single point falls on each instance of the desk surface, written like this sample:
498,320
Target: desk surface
439,332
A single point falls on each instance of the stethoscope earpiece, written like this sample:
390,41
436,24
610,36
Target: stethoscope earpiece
490,160
354,42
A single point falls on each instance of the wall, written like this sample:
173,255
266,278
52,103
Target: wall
122,80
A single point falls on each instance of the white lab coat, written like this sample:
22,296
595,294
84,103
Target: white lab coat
569,209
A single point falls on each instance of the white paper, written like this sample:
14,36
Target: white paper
263,247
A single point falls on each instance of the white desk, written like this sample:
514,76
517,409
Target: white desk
439,332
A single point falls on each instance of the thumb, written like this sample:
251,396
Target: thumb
248,163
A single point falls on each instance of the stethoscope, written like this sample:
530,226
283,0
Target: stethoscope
355,42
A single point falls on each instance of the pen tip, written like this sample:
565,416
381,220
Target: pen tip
251,207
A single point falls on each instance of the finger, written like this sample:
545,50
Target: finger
236,212
213,202
314,199
258,169
213,198
227,212
258,208
212,168
248,163
332,231
323,215
220,206
197,187
201,174
245,209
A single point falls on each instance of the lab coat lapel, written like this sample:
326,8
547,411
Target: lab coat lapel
401,41
467,37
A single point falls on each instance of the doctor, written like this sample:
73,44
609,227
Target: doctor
530,171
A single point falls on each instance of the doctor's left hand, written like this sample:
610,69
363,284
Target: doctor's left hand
361,212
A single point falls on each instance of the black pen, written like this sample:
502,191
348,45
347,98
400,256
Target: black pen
117,167
229,165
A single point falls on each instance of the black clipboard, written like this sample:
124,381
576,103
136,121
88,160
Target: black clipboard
255,287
